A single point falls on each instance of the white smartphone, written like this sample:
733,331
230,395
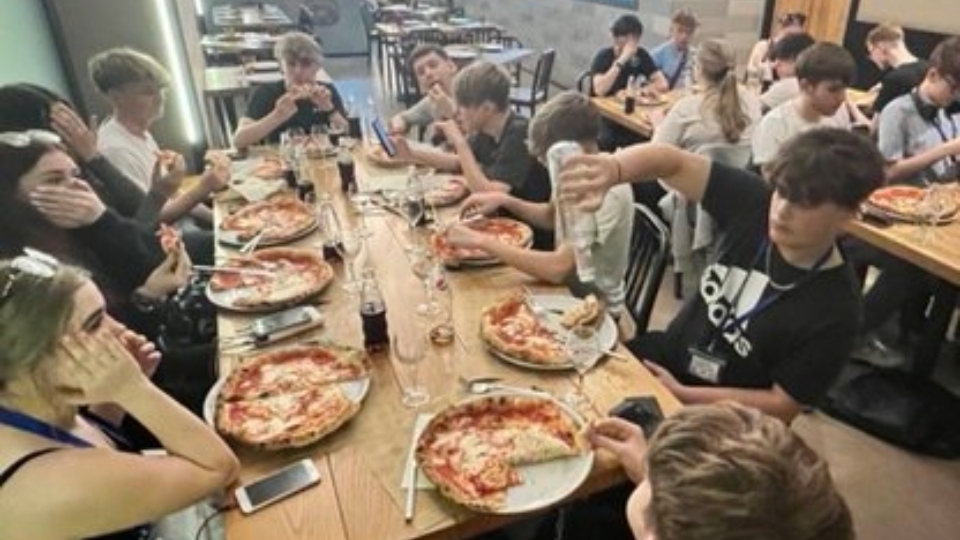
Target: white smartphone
283,483
285,323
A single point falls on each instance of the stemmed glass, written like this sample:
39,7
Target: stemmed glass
413,210
583,349
931,210
425,267
409,350
348,245
361,202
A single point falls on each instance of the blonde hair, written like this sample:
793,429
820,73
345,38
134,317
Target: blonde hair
718,68
294,46
481,82
884,33
114,68
728,472
33,316
569,116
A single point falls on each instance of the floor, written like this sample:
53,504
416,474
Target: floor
893,494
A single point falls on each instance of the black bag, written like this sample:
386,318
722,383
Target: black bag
903,409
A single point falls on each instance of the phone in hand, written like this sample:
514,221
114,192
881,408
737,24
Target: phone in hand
271,488
643,411
383,136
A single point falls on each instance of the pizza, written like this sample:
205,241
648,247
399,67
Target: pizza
290,397
587,312
280,219
471,450
906,203
508,231
449,193
268,167
278,276
170,243
511,328
378,156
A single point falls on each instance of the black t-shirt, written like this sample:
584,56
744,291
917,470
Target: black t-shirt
800,341
899,81
265,97
640,64
507,159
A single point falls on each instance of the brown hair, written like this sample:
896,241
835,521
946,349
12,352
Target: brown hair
568,116
728,472
884,33
33,316
946,58
114,68
686,19
826,62
425,49
481,82
718,67
826,165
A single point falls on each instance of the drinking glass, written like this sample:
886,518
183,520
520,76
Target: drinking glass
361,202
424,266
409,351
348,246
931,210
583,350
413,211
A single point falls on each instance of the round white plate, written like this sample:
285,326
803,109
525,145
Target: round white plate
227,300
556,304
355,390
232,239
265,65
544,483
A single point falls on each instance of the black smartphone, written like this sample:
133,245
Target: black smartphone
383,136
643,411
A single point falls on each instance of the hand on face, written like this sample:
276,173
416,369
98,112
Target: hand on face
624,440
142,350
443,103
629,49
585,179
69,205
80,138
97,368
286,105
321,97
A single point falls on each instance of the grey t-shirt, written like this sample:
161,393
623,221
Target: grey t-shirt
904,133
423,113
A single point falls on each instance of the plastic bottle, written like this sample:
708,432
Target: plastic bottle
577,228
373,314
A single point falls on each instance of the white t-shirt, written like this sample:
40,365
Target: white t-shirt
780,92
132,154
689,126
782,123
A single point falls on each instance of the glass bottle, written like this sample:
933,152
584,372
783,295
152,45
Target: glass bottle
373,314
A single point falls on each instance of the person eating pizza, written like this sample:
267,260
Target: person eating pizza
778,308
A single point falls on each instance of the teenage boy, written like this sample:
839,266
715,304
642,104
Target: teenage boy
824,71
778,310
567,117
674,58
784,54
494,155
435,71
902,70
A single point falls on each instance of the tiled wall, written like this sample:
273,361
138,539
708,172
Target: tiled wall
578,29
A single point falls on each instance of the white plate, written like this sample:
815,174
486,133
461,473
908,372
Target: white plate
544,483
264,65
227,299
553,303
355,391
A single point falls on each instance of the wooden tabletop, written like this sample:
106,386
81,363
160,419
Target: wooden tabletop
361,465
936,250
644,118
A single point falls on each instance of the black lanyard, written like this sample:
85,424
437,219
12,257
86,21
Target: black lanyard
23,422
731,321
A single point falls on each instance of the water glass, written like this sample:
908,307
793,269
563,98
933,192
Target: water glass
583,350
409,351
348,246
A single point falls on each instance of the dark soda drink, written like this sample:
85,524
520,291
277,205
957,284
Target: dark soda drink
354,127
291,177
374,319
348,175
330,252
629,104
306,191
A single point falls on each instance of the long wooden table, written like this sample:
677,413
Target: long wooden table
938,254
644,118
362,464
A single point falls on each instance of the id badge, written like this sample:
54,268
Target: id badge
705,366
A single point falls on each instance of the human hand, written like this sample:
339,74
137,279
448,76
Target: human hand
628,50
404,153
286,105
483,203
168,173
80,138
321,97
463,237
585,179
216,175
142,350
666,378
451,130
173,273
97,368
442,102
69,205
624,440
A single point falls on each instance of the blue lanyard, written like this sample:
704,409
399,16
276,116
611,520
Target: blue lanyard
23,422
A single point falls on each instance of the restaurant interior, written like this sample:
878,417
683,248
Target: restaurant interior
220,53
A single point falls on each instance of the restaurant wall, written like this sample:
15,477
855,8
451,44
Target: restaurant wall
26,34
577,29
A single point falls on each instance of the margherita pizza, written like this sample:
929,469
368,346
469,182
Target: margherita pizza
277,276
906,203
508,231
268,167
290,397
470,451
511,328
281,219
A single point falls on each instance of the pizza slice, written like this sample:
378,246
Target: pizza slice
291,369
511,328
587,312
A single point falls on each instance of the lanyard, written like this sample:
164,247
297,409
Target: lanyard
731,321
23,422
943,135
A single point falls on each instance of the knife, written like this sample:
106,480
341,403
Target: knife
232,270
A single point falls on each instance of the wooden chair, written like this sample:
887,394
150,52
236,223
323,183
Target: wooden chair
539,91
649,255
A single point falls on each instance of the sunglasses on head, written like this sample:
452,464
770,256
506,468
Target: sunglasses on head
22,139
33,263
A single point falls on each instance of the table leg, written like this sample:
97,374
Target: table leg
928,349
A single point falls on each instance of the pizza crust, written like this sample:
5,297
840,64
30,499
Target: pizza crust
297,274
280,218
508,231
587,312
510,327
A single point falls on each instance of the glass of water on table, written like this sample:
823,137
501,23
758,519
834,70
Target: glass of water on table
583,350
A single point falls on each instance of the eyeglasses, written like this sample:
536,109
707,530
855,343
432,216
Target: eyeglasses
34,263
22,139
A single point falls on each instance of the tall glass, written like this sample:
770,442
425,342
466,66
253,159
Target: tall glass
409,350
583,350
348,246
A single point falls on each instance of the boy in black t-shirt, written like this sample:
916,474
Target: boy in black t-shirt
778,307
902,71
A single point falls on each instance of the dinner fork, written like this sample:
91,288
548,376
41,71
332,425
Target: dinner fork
251,246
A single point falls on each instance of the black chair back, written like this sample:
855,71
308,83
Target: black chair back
585,83
649,254
408,90
483,34
541,77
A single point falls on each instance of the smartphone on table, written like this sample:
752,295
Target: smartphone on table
278,485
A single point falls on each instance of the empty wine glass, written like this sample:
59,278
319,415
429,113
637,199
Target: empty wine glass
360,200
348,246
424,266
409,351
583,350
413,208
